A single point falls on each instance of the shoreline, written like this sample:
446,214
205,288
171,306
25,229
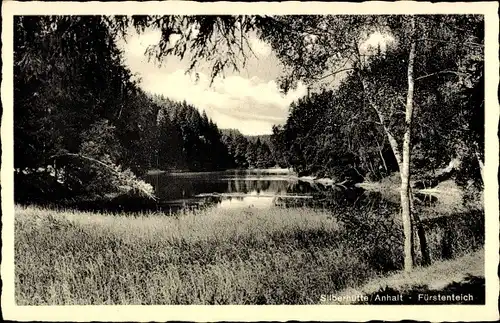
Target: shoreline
271,171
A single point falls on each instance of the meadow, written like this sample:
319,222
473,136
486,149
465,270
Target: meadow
213,256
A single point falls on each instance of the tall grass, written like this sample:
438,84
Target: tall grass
250,256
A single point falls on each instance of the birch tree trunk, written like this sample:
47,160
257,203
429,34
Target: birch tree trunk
481,166
405,166
403,161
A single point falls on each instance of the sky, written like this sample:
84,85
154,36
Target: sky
248,100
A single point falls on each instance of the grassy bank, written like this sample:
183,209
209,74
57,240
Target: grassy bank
463,275
250,256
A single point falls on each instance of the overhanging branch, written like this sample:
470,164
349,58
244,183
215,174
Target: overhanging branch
102,164
87,158
440,72
333,73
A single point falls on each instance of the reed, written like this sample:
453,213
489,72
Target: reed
247,256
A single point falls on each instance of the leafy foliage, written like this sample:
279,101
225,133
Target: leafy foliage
82,120
75,105
449,93
74,97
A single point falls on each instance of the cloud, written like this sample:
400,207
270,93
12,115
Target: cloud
249,101
136,46
377,40
251,105
259,47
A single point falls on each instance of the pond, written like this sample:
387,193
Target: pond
255,188
236,189
230,189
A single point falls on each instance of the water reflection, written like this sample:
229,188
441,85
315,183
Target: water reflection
231,189
242,189
258,202
260,189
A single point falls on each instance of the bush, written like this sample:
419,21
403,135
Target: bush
91,173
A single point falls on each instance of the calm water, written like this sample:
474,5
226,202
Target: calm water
259,189
236,189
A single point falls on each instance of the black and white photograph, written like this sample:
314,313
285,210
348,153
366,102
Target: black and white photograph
242,158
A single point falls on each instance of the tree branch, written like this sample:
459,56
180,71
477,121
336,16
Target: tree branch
333,73
440,72
100,163
450,42
85,157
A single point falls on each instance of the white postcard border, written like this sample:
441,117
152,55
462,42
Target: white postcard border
254,312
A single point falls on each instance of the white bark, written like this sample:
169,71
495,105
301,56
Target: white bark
481,166
405,169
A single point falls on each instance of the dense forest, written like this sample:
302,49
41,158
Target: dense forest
335,133
249,151
186,139
81,122
353,128
84,127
